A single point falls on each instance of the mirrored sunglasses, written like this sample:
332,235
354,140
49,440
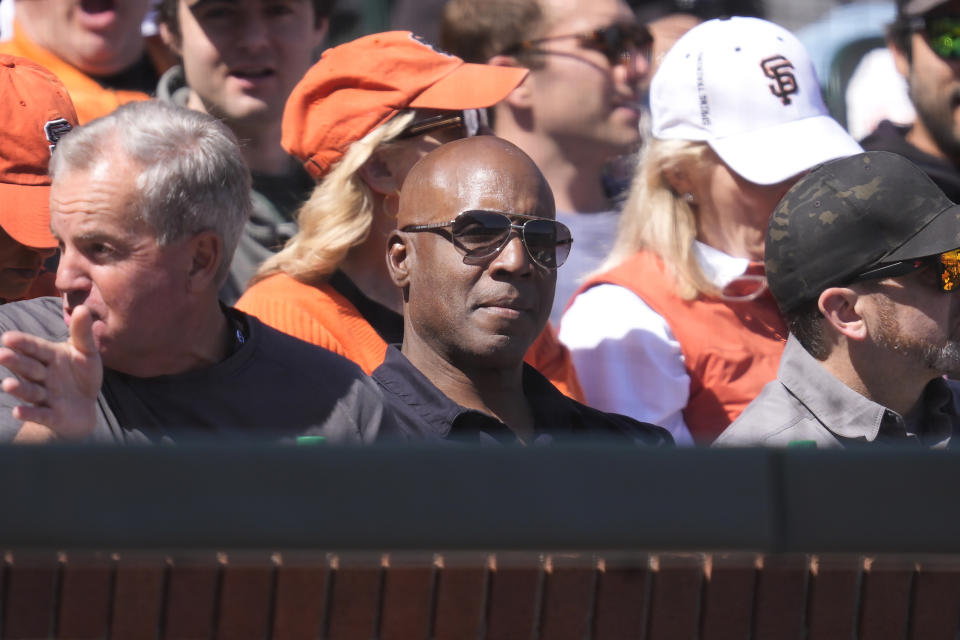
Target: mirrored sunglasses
947,265
942,34
618,42
470,120
480,235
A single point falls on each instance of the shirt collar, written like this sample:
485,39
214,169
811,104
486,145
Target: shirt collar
850,415
720,268
398,376
552,411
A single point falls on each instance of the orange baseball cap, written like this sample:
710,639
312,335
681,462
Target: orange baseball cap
357,86
37,113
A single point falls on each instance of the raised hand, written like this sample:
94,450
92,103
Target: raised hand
59,381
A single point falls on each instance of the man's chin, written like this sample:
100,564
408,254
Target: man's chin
497,351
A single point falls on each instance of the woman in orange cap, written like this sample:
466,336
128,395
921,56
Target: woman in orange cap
359,120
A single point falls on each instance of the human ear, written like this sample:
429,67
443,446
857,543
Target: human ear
206,250
900,59
522,96
679,180
320,30
841,307
398,264
379,174
170,39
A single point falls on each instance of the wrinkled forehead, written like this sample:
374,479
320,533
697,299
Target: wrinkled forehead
99,194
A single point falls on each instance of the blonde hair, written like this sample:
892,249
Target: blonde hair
656,218
338,214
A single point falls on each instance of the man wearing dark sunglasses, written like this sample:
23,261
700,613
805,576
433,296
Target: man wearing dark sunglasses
578,109
475,256
863,258
925,43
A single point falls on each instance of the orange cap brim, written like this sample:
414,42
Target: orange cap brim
25,214
471,86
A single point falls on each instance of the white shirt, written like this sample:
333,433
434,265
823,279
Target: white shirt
625,354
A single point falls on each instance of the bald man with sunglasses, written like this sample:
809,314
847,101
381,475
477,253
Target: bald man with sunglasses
475,256
863,259
578,109
925,43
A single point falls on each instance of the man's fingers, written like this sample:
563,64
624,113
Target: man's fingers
24,390
40,415
81,331
32,346
23,366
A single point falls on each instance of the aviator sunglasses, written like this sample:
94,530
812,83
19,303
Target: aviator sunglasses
947,265
942,34
617,42
480,235
470,120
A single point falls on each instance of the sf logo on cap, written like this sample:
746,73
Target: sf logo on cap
780,70
56,129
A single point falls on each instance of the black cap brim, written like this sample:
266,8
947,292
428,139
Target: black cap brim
941,234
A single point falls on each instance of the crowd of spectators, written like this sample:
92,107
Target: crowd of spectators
561,221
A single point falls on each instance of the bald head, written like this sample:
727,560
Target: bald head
472,306
460,175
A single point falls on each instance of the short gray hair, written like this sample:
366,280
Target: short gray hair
192,175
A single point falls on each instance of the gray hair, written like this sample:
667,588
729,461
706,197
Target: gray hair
192,176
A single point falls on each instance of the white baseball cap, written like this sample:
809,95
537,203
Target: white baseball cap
747,87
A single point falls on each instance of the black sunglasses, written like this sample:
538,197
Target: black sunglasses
470,120
946,263
480,235
617,42
942,33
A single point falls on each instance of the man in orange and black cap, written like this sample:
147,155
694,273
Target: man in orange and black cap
38,112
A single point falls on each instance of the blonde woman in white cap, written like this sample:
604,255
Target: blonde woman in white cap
677,328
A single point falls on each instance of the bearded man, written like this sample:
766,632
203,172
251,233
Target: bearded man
862,257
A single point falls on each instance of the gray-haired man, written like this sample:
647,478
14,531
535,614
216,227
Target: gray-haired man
147,205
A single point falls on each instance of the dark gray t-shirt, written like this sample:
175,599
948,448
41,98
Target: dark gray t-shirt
273,388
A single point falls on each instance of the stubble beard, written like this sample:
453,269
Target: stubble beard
938,117
943,358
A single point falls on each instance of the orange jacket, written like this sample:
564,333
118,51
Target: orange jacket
730,349
89,98
322,316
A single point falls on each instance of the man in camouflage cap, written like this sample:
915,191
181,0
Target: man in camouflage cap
862,256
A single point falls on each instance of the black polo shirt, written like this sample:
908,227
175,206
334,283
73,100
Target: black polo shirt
424,412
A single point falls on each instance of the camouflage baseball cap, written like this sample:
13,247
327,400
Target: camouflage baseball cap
850,215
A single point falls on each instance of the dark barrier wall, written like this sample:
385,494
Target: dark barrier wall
585,498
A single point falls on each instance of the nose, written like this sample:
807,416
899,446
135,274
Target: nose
634,65
513,257
253,34
72,275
